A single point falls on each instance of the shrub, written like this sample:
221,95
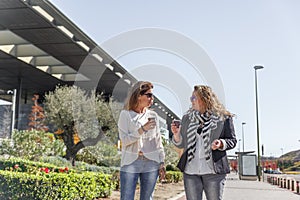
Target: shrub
82,166
54,164
6,147
172,156
173,176
34,144
103,154
18,185
171,167
55,160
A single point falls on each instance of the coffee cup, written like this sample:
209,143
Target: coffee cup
177,122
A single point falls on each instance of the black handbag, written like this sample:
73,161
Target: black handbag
182,161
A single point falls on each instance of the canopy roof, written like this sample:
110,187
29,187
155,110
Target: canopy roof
36,38
41,48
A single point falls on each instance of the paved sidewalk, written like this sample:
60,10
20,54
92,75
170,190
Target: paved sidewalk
236,189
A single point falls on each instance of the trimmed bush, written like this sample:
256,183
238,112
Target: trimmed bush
173,176
89,185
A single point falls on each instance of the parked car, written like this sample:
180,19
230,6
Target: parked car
277,171
271,171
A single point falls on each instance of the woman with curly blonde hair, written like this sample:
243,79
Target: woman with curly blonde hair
205,133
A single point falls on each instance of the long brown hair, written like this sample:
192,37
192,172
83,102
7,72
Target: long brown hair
139,88
211,101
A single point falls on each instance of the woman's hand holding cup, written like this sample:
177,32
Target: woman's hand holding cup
150,124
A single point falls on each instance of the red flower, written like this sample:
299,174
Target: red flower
46,170
16,166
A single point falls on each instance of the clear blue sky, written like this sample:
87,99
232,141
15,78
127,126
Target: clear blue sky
236,35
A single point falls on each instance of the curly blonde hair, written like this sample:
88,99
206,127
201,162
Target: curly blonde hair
211,101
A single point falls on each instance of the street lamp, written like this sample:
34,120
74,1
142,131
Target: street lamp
243,123
257,124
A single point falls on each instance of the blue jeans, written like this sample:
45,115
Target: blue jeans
143,169
212,184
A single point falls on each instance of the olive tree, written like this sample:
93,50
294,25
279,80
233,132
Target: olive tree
81,118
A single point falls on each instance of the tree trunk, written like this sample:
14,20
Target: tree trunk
69,142
72,149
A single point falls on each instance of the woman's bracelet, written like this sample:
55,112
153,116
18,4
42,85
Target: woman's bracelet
143,128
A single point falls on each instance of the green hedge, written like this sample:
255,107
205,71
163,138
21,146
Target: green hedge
173,177
89,185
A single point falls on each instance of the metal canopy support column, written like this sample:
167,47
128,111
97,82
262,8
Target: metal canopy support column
18,103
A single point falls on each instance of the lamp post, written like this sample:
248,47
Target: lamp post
257,124
243,123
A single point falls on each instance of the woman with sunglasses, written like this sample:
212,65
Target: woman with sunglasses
142,150
206,132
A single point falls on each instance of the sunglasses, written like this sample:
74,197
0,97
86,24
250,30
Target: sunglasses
149,95
193,98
